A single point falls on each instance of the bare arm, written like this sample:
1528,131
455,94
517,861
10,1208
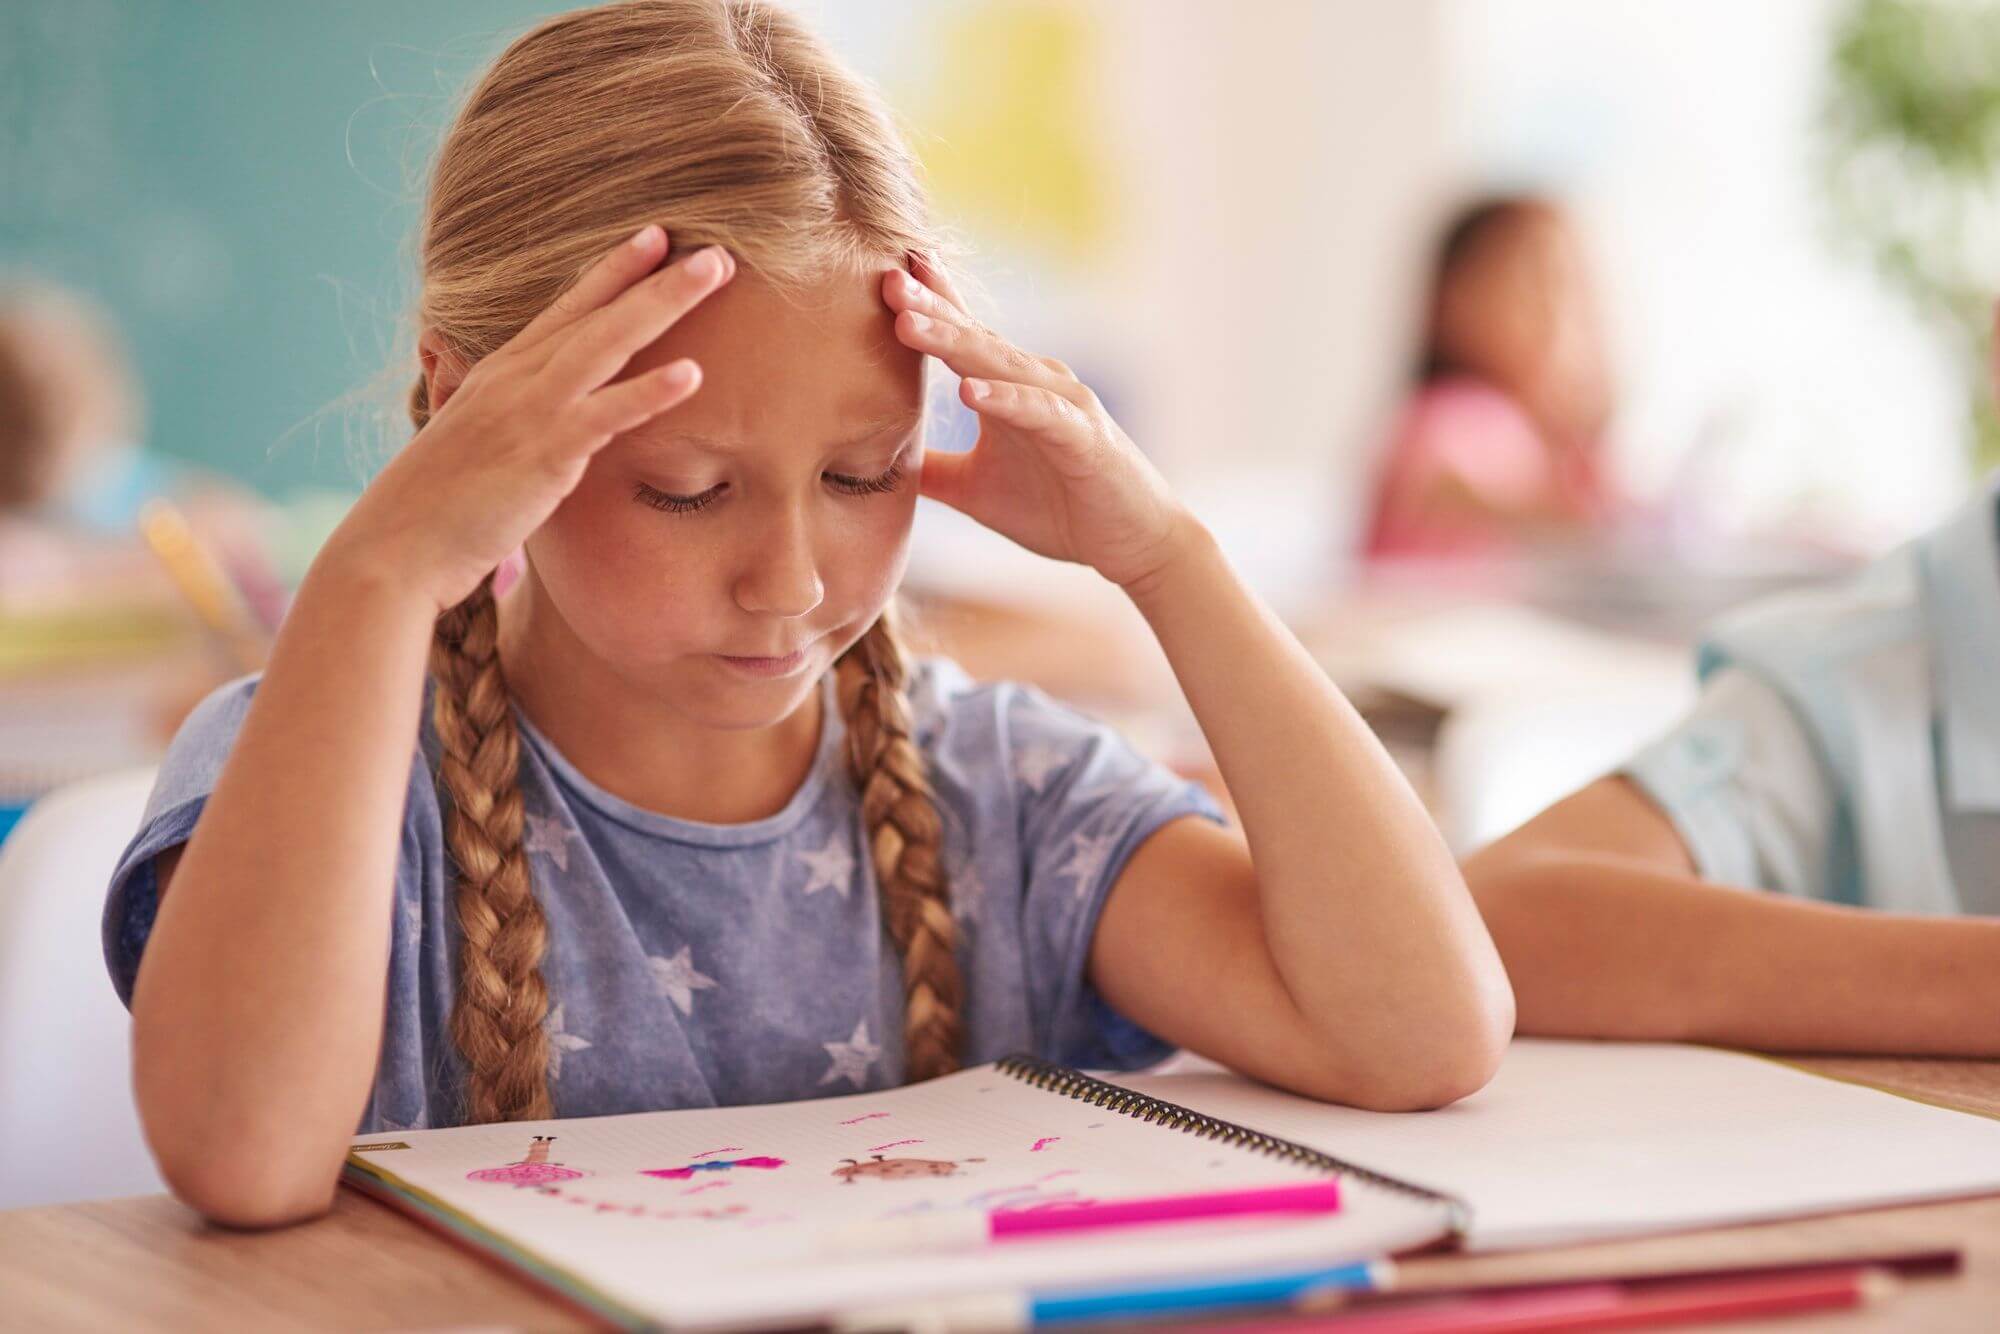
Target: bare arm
257,1013
1331,946
1356,965
1607,932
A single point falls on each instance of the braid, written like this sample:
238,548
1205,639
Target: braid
497,1018
905,837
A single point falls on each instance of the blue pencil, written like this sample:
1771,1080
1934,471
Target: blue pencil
1028,1310
1134,1301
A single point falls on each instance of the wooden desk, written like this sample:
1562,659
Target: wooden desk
150,1263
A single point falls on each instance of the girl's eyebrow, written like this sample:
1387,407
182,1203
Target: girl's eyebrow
861,434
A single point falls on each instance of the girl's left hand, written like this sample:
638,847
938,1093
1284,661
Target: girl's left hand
1050,469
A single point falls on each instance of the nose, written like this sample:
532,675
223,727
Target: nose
780,574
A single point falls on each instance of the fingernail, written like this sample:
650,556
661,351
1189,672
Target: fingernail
911,287
921,323
706,265
978,388
642,238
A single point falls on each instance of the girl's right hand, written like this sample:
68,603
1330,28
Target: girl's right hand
513,438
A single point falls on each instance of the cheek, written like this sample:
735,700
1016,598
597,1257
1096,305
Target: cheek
624,580
864,553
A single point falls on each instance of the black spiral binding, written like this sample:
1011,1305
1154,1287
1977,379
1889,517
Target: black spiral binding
1157,1111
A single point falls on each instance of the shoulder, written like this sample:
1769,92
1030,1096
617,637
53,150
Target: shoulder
1446,412
202,742
1808,633
950,711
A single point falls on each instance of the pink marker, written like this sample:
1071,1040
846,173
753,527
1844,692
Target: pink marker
941,1231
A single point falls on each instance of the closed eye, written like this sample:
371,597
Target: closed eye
854,486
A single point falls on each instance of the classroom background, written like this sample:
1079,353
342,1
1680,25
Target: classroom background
1684,302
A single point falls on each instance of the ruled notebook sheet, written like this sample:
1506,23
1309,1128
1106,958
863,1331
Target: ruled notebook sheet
1577,1141
713,1217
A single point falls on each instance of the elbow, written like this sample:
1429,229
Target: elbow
1456,1061
235,1191
1432,1056
235,1170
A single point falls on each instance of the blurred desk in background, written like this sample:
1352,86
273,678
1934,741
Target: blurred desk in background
1492,709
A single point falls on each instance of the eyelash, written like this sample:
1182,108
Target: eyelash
853,486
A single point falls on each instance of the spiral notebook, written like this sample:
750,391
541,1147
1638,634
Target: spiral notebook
718,1218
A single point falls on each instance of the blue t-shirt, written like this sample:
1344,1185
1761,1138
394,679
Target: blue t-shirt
701,965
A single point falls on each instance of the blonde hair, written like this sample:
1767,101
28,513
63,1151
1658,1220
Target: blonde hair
730,124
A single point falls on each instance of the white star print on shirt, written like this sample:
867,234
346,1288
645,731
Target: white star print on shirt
832,866
560,1042
547,834
1087,857
1037,760
851,1058
968,892
678,979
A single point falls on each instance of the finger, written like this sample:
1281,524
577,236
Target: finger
597,347
613,272
971,350
904,291
633,402
934,277
943,476
1038,412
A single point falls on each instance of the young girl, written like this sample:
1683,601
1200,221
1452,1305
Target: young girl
1501,443
685,827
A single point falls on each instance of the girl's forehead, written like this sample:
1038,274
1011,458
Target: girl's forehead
821,360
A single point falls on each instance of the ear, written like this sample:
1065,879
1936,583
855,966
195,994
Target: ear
442,371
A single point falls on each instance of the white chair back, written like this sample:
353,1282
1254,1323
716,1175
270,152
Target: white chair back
66,1107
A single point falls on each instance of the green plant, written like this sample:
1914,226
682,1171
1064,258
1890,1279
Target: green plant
1912,168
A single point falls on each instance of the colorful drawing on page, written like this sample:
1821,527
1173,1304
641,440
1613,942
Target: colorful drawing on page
706,1185
894,1144
899,1169
987,1197
710,1153
713,1165
1044,1143
868,1116
534,1170
1047,1177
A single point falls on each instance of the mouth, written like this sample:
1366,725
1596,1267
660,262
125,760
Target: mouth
767,664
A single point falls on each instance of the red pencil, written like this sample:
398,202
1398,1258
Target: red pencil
1602,1306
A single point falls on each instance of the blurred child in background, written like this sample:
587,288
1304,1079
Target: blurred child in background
1499,446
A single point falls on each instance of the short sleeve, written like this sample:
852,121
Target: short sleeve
1745,788
1086,800
187,775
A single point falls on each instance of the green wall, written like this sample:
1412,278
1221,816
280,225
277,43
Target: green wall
236,182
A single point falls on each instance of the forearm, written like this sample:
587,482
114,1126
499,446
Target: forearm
258,1009
1607,948
1364,911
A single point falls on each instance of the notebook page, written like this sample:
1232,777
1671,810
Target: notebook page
713,1217
1576,1141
